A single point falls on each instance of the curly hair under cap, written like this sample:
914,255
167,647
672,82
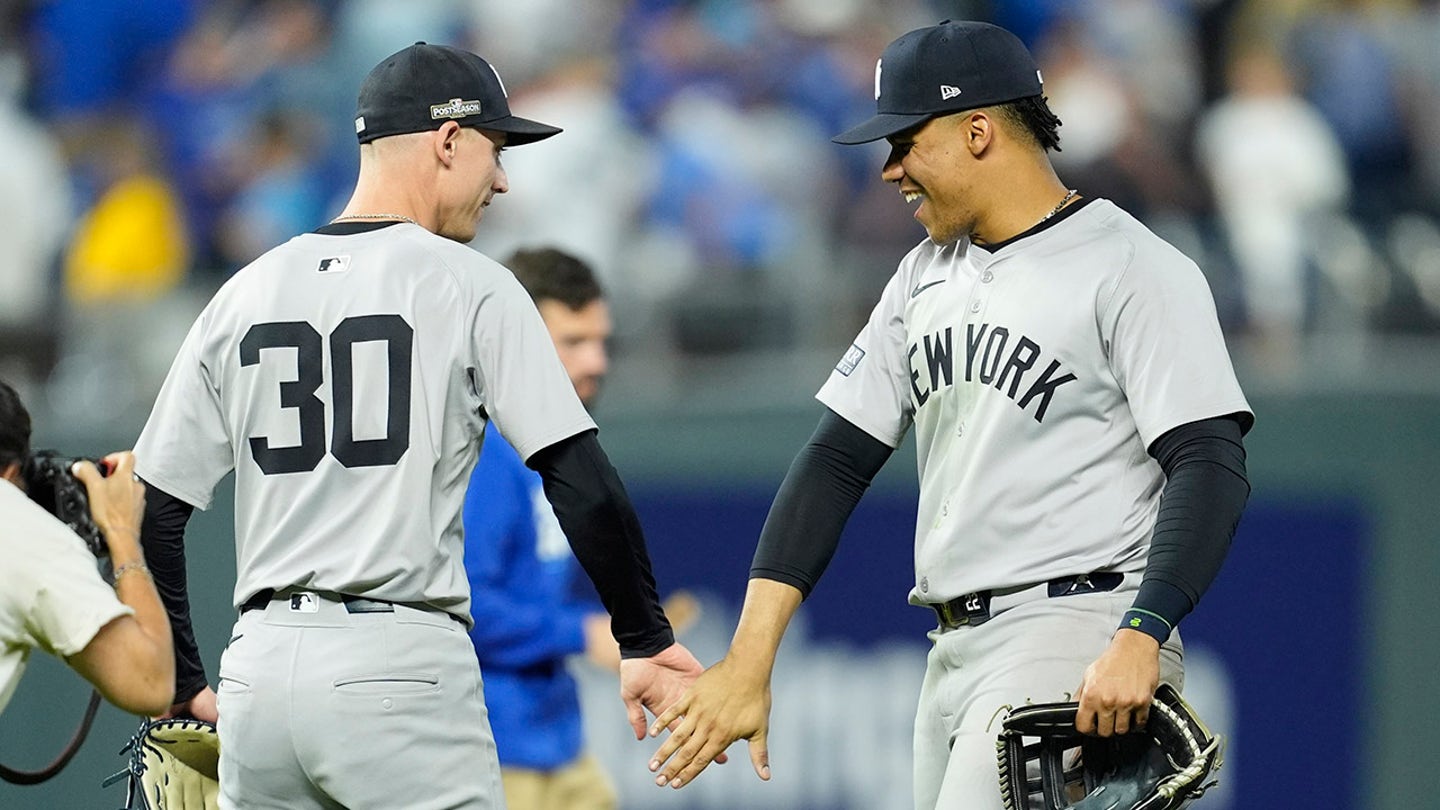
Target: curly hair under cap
1032,116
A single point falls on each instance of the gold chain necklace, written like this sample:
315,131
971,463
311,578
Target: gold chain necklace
1069,195
400,217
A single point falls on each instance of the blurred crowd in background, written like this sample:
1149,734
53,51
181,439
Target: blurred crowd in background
148,150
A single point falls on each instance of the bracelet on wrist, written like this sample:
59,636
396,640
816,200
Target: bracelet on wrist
137,566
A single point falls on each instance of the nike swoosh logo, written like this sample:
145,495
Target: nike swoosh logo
919,288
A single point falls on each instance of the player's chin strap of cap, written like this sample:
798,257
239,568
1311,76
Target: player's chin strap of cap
18,777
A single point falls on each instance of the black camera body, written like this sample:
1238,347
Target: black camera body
49,483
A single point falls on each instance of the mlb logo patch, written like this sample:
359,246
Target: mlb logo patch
852,358
334,264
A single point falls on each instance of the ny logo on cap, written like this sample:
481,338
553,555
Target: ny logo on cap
878,62
947,92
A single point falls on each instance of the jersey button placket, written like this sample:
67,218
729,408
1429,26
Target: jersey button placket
963,404
977,293
986,277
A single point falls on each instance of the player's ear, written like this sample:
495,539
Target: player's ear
979,130
446,141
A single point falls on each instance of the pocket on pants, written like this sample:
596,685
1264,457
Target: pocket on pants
391,683
233,698
231,685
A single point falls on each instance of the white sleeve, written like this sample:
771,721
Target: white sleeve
870,387
1165,346
185,447
527,391
70,603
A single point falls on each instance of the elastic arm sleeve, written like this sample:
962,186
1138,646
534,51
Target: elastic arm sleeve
1205,491
828,477
162,537
599,521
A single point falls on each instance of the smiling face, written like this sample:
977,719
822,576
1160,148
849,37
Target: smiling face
934,169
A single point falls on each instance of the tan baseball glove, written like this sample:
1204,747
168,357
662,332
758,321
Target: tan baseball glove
174,765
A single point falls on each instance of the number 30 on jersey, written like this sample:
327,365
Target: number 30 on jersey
300,393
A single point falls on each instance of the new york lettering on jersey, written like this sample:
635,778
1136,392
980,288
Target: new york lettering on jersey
985,348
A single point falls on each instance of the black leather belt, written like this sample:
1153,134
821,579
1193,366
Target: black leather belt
973,609
353,604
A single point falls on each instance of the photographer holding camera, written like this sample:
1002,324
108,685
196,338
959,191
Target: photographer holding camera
52,595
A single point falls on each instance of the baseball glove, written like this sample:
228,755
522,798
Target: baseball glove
1163,766
174,765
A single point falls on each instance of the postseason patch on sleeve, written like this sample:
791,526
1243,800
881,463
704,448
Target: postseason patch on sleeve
852,358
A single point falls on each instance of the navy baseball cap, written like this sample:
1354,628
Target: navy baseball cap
423,86
943,69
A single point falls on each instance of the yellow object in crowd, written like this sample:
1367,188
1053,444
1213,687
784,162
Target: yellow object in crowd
131,246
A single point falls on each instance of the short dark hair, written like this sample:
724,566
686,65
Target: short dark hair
548,273
1032,117
14,427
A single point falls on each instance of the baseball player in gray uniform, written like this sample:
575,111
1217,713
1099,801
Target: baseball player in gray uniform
346,378
1078,426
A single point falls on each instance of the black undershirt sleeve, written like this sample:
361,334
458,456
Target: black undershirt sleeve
162,536
1205,491
828,477
599,521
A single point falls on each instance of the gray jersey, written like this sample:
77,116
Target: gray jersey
1036,376
347,380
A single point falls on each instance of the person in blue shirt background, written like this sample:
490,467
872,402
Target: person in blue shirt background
532,608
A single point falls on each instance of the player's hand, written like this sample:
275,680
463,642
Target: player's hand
655,683
731,701
200,707
1118,687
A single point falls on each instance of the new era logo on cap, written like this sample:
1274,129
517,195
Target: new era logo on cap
947,92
